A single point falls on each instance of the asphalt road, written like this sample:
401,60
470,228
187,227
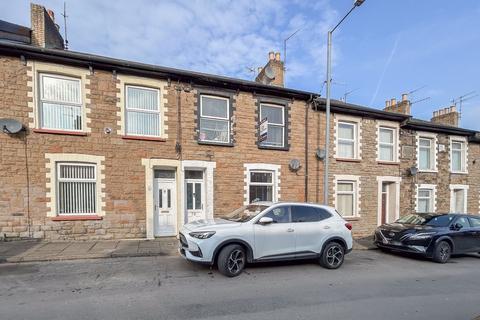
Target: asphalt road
370,285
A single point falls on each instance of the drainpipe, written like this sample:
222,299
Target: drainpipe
178,144
308,104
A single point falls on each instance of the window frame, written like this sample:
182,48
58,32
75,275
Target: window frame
58,179
354,192
42,100
355,139
265,184
282,125
453,189
431,199
227,119
159,111
463,153
393,144
433,154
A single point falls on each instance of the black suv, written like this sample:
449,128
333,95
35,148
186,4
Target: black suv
432,235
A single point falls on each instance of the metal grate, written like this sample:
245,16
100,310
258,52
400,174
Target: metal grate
77,189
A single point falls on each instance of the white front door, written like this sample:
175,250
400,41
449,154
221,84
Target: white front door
165,207
195,195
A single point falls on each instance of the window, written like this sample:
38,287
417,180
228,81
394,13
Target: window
463,221
475,222
77,188
143,111
458,156
275,116
458,198
261,186
347,140
386,144
426,154
279,215
425,200
214,119
345,198
60,103
308,214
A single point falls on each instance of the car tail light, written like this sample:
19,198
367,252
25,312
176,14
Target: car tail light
348,226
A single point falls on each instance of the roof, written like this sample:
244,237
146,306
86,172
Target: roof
199,78
14,32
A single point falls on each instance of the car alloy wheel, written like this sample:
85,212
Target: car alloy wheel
236,261
442,252
332,256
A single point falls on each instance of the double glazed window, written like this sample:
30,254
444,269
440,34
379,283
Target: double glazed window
275,116
425,200
261,186
142,111
347,140
386,144
426,156
214,119
459,197
77,188
346,198
458,156
60,103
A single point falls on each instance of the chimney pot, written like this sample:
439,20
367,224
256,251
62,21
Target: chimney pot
387,103
453,109
51,14
404,96
435,114
271,55
393,102
259,69
277,56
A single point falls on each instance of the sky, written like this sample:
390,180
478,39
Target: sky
383,49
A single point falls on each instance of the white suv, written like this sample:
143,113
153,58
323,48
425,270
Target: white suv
265,231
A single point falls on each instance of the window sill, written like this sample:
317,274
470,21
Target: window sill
388,162
427,171
459,172
213,143
144,138
348,160
77,218
274,148
62,132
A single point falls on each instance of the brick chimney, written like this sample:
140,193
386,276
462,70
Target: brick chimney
447,116
402,106
272,73
45,33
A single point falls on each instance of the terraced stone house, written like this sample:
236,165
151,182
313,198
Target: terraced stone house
119,149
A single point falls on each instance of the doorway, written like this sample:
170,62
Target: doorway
194,195
165,199
388,200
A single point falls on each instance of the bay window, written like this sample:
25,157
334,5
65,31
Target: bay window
214,119
60,103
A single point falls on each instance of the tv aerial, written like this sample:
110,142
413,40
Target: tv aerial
461,99
11,126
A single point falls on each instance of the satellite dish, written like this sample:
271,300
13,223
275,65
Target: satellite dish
269,73
11,126
294,164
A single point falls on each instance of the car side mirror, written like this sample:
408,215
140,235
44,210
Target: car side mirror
456,226
265,220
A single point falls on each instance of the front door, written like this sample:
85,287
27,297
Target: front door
384,203
165,207
195,195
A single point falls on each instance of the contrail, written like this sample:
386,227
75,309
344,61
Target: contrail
387,64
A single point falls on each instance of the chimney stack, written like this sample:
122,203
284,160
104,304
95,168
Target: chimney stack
272,73
45,33
447,116
402,106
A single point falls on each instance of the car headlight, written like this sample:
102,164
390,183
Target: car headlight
422,236
202,234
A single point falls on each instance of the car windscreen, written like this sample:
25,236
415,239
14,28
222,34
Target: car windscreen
245,213
427,220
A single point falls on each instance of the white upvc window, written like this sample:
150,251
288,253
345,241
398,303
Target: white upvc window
458,198
346,198
76,188
142,109
261,186
214,119
275,116
60,103
426,154
387,144
458,156
347,140
425,200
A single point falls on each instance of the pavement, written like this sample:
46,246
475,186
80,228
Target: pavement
33,250
370,285
36,250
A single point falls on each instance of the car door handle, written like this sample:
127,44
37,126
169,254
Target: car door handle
326,227
290,230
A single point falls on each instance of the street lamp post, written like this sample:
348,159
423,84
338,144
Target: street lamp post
357,3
